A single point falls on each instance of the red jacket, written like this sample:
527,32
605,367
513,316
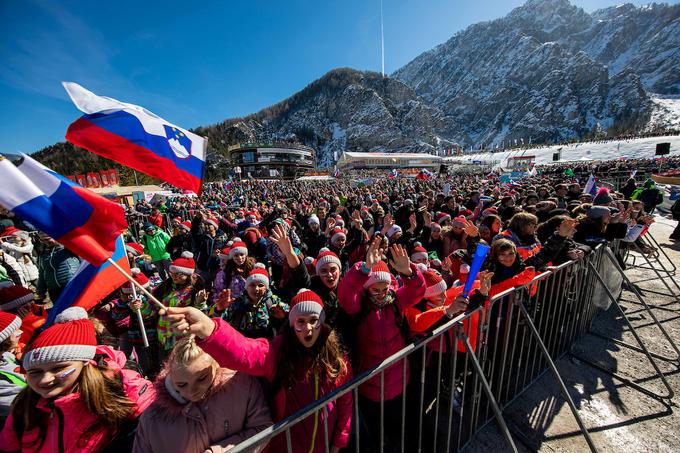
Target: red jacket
260,357
378,335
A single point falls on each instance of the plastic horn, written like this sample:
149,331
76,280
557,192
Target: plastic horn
477,260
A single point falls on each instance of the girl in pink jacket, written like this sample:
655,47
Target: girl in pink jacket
199,406
79,397
379,315
302,364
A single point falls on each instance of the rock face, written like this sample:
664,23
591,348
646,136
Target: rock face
344,110
548,71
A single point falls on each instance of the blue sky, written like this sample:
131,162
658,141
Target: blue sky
198,63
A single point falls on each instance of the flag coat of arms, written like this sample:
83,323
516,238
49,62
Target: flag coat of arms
84,222
133,136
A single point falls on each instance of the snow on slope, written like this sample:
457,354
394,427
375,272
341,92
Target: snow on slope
633,149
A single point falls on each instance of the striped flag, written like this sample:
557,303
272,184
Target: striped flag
84,222
590,186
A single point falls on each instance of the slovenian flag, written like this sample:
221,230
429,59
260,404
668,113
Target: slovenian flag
133,136
393,174
590,187
91,284
84,222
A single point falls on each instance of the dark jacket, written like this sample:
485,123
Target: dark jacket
56,267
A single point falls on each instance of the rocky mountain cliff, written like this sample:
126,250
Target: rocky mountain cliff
548,71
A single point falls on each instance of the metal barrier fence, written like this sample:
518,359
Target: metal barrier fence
502,349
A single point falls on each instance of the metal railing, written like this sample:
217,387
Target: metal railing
497,352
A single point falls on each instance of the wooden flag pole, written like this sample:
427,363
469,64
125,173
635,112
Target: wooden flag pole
140,287
140,319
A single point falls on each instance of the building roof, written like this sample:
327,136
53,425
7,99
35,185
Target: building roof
358,155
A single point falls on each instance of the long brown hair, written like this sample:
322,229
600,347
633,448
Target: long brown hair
100,391
297,363
230,269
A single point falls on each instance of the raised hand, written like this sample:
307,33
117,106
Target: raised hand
412,222
373,254
484,282
201,297
400,260
470,229
282,241
427,218
224,300
567,228
135,304
458,306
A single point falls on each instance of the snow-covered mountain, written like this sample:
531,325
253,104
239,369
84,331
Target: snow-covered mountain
551,71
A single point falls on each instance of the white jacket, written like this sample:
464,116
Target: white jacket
22,253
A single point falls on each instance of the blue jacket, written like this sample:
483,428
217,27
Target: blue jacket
56,267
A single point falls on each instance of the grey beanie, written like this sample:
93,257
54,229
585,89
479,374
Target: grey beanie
596,212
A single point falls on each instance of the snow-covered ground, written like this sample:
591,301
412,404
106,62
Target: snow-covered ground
667,111
608,150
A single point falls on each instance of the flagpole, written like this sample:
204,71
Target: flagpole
140,319
134,283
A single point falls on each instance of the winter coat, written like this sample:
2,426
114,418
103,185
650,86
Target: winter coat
178,244
205,245
9,262
154,245
56,267
260,357
68,418
233,410
378,334
11,382
587,232
256,321
22,253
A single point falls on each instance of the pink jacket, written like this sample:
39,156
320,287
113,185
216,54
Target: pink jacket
233,410
68,417
260,357
378,335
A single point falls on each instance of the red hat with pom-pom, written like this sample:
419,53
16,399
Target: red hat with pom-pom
139,278
259,274
305,303
185,264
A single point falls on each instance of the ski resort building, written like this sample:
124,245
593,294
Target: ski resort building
271,161
356,160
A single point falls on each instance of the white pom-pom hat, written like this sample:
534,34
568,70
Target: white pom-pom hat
185,264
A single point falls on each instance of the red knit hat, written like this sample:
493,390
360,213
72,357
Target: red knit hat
259,274
139,278
9,323
185,264
238,247
435,283
13,297
337,233
379,274
212,221
134,248
459,222
185,226
70,338
224,253
418,253
326,257
442,217
306,302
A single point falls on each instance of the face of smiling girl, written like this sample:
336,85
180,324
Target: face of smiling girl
55,379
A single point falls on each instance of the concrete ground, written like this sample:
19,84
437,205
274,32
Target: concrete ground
618,416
